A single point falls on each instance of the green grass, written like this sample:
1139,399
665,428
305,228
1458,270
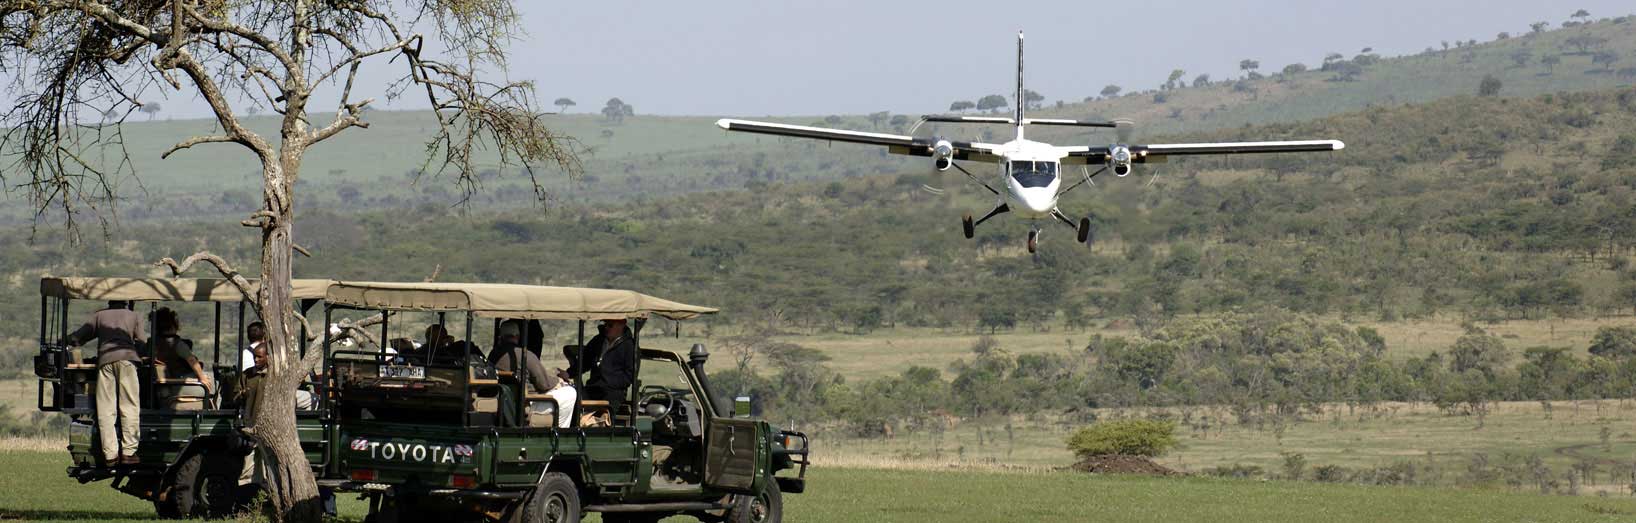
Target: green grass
34,488
1440,445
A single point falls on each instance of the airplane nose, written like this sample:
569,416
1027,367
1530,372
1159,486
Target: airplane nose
1038,201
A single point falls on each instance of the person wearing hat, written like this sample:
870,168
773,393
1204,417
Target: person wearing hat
510,347
611,356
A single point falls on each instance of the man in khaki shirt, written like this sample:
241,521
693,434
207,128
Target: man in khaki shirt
118,332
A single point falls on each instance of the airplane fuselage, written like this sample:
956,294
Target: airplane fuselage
1032,175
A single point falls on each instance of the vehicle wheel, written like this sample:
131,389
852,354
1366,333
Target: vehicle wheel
206,485
554,500
966,225
1033,242
1084,229
766,507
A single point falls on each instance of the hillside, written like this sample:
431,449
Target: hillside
648,156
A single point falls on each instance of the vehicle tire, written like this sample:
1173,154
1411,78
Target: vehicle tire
554,500
1033,242
206,485
967,227
1084,230
766,507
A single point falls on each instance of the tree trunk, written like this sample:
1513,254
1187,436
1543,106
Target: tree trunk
292,490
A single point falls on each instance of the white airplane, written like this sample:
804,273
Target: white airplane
1030,171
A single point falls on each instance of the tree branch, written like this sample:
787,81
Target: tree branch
190,142
226,269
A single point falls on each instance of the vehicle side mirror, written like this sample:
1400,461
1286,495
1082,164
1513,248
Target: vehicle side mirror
741,407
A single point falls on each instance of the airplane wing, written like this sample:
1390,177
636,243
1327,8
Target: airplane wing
1158,152
895,143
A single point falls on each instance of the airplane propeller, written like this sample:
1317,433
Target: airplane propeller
1125,132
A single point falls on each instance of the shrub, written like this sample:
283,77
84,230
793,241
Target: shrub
1236,470
1125,437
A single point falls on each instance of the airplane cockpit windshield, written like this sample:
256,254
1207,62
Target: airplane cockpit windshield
1034,174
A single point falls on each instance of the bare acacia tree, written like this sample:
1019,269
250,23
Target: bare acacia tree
73,61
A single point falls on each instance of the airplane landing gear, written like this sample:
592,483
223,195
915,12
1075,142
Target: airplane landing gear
1084,229
1033,241
970,228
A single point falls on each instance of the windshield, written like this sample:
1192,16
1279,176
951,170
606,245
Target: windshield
1034,174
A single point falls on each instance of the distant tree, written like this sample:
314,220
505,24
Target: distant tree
1175,76
1585,43
1032,99
1503,36
1490,86
607,134
1479,351
110,114
961,106
1538,27
150,109
832,120
1614,342
875,119
1111,91
349,194
1336,57
616,110
1202,80
563,104
1367,50
899,120
1521,57
991,103
1606,59
1159,98
1445,45
1295,69
1249,66
1581,15
1550,61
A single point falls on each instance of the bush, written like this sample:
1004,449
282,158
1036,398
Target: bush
1236,470
1125,437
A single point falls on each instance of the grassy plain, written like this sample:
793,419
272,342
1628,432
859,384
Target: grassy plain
34,488
886,352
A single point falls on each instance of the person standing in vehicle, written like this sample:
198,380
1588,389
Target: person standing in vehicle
612,358
504,355
118,331
257,334
175,353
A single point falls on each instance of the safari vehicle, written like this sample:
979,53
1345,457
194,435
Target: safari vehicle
189,461
426,436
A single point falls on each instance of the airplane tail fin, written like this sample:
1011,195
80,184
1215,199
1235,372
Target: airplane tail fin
1020,100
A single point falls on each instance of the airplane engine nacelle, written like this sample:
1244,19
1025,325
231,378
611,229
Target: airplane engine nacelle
943,155
1119,160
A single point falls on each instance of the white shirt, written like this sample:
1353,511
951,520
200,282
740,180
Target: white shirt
248,358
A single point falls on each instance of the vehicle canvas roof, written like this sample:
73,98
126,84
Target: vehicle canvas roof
164,289
497,300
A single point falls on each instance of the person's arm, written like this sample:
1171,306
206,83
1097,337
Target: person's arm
81,335
137,336
537,375
198,371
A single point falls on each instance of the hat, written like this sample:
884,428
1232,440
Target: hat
511,328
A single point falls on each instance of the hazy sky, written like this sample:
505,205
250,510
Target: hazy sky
760,57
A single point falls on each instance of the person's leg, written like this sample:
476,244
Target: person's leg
130,415
107,405
303,400
564,396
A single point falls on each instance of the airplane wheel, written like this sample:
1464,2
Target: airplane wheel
1084,229
965,224
1033,241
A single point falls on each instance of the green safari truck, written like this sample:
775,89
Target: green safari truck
190,455
436,432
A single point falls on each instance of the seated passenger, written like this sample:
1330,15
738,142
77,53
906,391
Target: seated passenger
175,353
611,356
504,356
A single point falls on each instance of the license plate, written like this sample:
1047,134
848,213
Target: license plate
403,371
